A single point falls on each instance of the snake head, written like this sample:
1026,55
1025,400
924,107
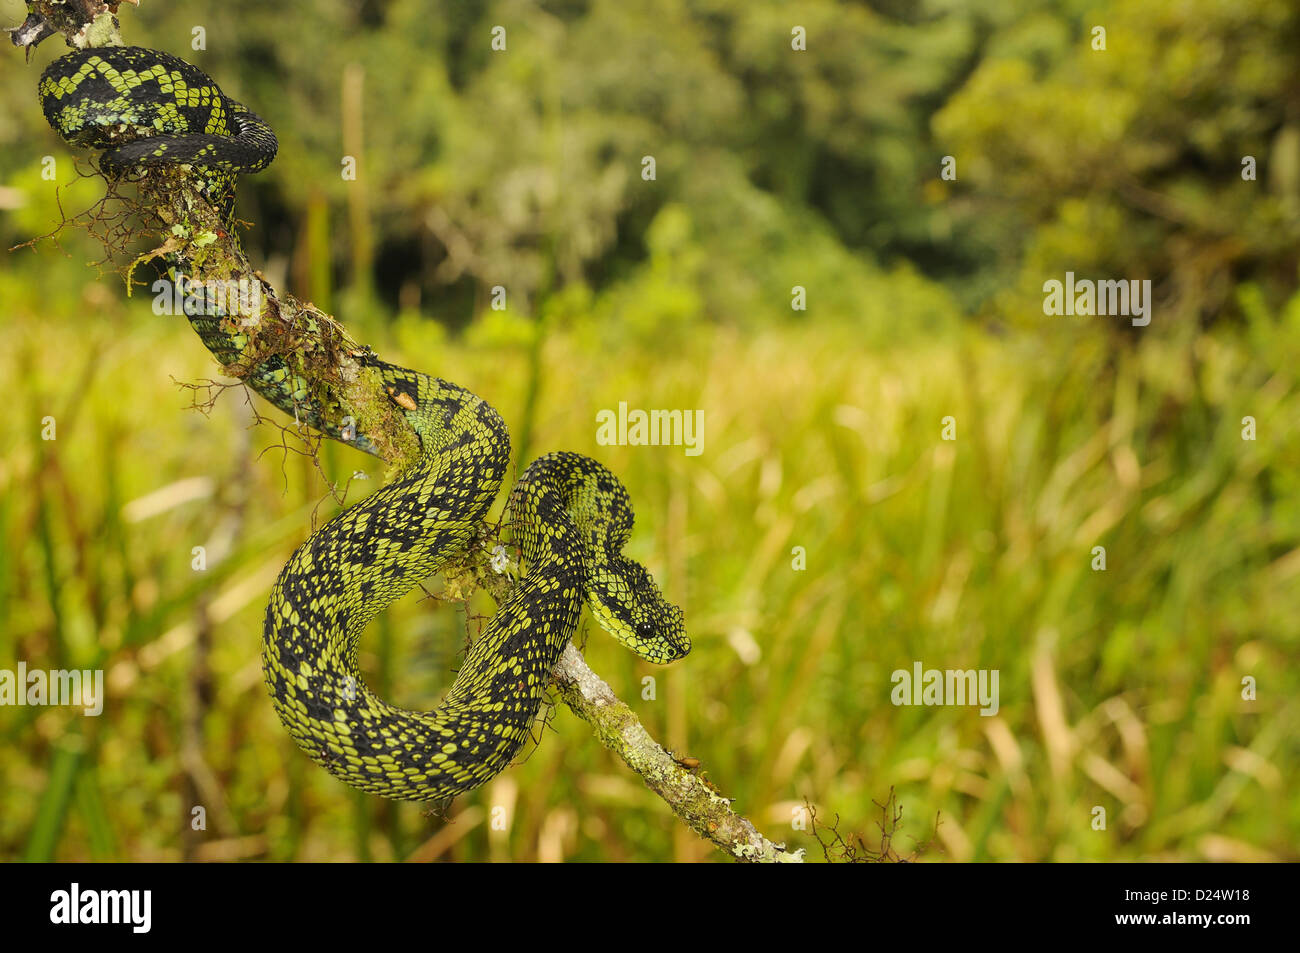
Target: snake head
629,606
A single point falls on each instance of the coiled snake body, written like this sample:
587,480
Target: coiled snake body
570,516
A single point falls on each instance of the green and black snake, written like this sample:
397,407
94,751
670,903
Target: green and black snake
570,516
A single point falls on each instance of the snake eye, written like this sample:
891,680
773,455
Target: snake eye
645,629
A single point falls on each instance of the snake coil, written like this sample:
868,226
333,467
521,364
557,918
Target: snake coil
570,516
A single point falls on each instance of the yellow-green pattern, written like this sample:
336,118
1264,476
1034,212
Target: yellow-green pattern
147,108
568,514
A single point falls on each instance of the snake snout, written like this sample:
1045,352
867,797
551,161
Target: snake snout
675,637
660,626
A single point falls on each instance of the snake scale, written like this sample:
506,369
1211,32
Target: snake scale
569,515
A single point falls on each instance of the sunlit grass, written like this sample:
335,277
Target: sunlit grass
1119,689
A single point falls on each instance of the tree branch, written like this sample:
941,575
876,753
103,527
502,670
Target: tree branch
691,798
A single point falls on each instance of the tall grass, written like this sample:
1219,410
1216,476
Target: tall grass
1120,689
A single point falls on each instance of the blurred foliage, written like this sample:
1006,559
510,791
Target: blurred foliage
774,169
